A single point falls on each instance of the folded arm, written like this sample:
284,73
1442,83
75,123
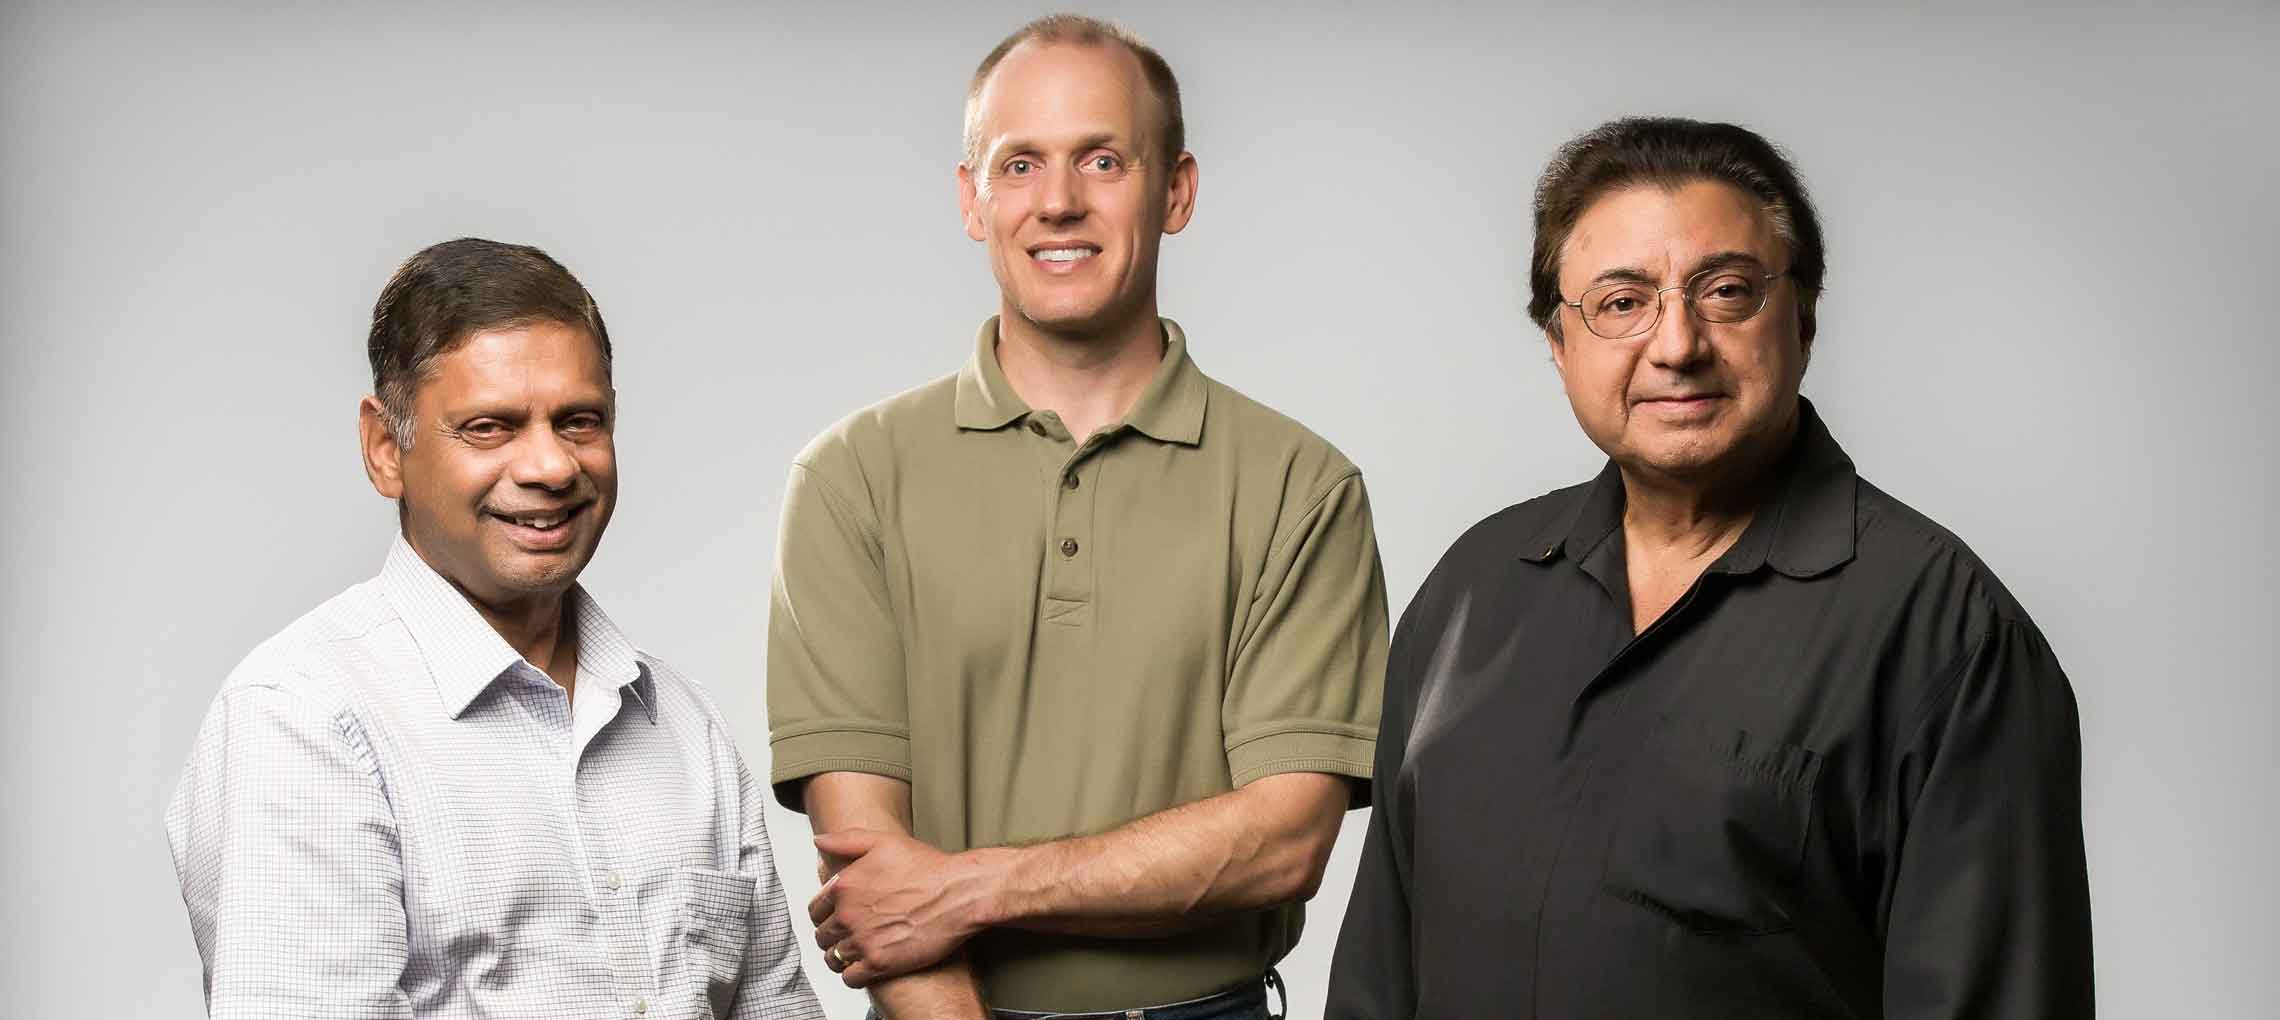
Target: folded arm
839,803
901,905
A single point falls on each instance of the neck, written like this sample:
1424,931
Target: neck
1090,378
539,630
536,626
1690,518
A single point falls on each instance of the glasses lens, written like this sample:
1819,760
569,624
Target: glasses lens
1620,310
1728,295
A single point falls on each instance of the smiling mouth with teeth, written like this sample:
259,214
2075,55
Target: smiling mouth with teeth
546,521
1063,254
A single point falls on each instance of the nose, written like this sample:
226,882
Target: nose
1678,340
1061,199
543,460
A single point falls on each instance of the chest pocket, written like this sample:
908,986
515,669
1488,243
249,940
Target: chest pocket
1712,830
704,962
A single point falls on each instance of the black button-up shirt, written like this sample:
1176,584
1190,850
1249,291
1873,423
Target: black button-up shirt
1841,777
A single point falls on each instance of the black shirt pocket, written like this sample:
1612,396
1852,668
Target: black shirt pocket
1711,830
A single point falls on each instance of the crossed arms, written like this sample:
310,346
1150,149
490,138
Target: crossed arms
895,912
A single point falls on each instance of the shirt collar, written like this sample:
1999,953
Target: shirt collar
465,656
1169,410
1807,529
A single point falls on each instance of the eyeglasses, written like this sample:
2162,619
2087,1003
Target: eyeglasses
1620,311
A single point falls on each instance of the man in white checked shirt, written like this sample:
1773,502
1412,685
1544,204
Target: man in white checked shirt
456,790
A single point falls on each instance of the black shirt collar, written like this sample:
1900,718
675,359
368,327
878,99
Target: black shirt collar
1808,528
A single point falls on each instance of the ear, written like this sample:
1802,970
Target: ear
970,203
1181,205
383,459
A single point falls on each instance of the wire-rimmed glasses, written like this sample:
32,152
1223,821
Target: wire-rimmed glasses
1630,308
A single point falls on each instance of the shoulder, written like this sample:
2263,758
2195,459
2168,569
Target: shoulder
868,437
1513,531
1895,540
1486,550
312,672
1259,437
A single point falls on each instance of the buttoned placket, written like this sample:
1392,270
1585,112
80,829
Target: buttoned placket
611,892
1073,475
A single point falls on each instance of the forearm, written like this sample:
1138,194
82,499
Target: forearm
1172,871
947,989
838,801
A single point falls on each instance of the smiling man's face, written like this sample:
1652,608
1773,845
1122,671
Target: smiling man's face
1070,187
512,473
1688,400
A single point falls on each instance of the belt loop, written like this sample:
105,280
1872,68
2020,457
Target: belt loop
1282,995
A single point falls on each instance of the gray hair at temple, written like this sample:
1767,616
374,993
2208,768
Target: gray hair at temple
448,293
1080,30
1669,152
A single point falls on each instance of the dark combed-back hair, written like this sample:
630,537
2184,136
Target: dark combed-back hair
450,292
1669,152
1080,30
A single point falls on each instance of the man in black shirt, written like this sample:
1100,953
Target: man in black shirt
1728,731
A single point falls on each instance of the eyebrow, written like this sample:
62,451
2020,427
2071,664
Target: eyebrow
1098,139
1718,260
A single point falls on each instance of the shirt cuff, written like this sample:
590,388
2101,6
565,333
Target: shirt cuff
1334,748
839,746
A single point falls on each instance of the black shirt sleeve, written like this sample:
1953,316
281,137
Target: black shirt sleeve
1988,913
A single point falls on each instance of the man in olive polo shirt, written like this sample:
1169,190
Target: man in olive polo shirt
1104,635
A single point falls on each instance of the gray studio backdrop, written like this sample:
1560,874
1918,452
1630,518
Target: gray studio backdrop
2048,325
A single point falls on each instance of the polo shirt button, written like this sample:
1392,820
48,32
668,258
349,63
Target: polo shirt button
1068,547
1036,426
1070,482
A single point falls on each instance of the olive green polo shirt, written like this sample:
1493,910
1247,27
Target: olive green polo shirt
1047,636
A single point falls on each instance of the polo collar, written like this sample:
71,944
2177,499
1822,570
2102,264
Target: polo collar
1170,410
465,656
1808,528
985,400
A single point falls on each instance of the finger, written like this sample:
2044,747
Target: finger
826,899
858,974
830,933
841,955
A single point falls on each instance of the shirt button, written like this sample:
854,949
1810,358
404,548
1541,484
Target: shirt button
1068,547
1071,481
1036,426
640,1006
615,881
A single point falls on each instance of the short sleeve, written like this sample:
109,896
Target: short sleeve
288,855
1309,670
836,697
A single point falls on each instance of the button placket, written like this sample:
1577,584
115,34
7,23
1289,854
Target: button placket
1069,563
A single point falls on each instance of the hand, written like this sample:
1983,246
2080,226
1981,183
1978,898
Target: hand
898,905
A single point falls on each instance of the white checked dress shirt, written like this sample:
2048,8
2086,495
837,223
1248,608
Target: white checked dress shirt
389,813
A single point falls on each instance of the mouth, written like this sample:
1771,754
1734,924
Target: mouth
1058,254
1682,405
539,529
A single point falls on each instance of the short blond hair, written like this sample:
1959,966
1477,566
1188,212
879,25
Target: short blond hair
1080,30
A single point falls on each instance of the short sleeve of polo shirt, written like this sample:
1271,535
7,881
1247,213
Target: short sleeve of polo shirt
836,698
1309,669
